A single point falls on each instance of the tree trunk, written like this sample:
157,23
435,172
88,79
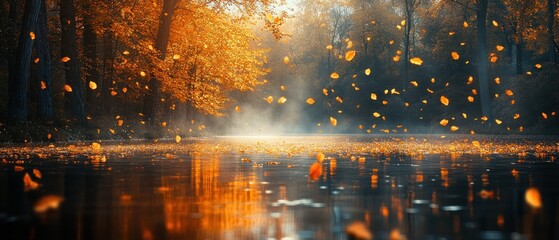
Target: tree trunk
483,62
90,58
45,64
551,36
519,50
407,43
19,82
163,34
71,67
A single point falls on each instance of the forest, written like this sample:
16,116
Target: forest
134,69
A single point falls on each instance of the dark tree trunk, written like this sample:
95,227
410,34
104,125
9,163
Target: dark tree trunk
44,72
407,44
19,81
108,58
483,61
519,51
551,35
71,67
90,57
163,34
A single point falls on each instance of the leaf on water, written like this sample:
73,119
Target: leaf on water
349,44
120,122
498,121
177,139
95,146
470,80
493,59
368,71
334,75
310,101
349,55
65,59
544,115
443,122
325,91
498,81
37,173
333,121
416,61
282,100
36,60
282,87
315,171
269,99
495,23
454,128
286,60
465,24
92,85
396,58
533,197
67,88
538,66
47,203
444,100
455,55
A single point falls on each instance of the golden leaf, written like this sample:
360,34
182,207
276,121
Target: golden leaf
177,139
237,109
416,61
315,171
444,100
498,121
329,47
310,101
509,92
325,91
282,87
32,35
454,128
396,58
349,44
544,115
476,144
368,71
349,55
269,99
92,85
465,24
455,55
414,83
286,60
443,122
43,85
333,121
470,99
498,81
499,48
373,96
142,73
493,59
334,75
339,99
282,100
376,114
65,59
67,88
495,23
320,157
533,198
538,66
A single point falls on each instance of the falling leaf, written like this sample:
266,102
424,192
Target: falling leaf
498,121
455,55
454,128
376,114
334,75
67,88
47,203
325,91
124,89
368,71
37,173
499,48
65,59
310,101
470,99
538,66
373,96
120,122
465,24
533,198
349,55
315,171
177,139
495,23
443,122
49,136
339,99
444,100
95,146
333,121
282,100
414,83
286,60
114,93
237,109
32,35
269,99
416,61
28,183
92,85
484,118
43,85
544,115
509,92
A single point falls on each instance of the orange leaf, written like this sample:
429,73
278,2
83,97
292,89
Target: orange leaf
455,55
315,171
533,198
67,88
416,61
65,59
334,75
333,121
444,100
310,101
32,35
92,85
443,122
349,55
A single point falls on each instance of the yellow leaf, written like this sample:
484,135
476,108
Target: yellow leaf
32,35
498,121
334,75
67,88
325,91
499,48
403,23
455,55
495,23
310,101
286,60
333,121
516,116
177,139
443,122
237,109
65,59
454,128
269,99
396,58
414,83
126,52
484,118
282,100
376,114
416,61
368,71
470,80
373,96
92,85
112,131
349,55
444,100
498,81
339,100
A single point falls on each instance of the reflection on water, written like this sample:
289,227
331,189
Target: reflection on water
240,194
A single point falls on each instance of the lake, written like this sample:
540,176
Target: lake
389,187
